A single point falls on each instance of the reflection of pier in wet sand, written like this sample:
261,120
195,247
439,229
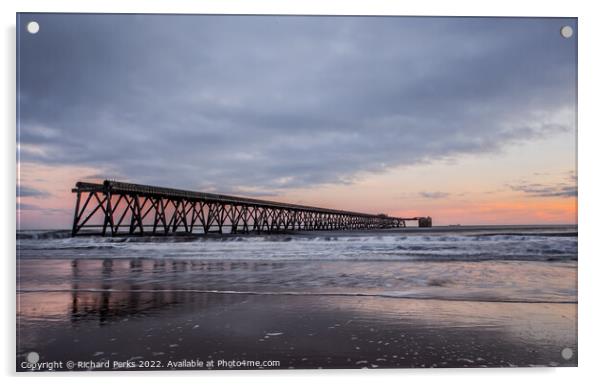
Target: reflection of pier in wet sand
109,296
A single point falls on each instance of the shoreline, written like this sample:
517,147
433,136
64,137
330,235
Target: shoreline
308,333
485,230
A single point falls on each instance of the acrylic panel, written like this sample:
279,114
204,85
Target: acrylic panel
290,192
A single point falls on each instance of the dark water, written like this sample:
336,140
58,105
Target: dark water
439,297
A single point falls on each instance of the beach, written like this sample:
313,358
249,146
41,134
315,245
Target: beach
404,298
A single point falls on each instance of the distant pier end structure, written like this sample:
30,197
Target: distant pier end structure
117,208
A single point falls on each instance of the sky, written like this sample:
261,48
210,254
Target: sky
468,120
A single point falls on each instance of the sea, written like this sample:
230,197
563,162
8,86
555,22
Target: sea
486,263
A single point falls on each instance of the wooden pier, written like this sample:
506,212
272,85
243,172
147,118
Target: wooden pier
116,208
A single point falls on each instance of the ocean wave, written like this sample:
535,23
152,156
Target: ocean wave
392,295
61,254
400,241
339,246
43,234
301,236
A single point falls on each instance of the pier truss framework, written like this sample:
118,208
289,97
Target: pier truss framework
117,208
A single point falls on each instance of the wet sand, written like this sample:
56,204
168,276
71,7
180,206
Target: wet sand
155,328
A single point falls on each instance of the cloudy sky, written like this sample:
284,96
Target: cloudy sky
469,120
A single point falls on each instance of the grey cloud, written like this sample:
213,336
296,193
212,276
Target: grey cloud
265,103
540,190
566,189
572,175
26,191
434,194
253,193
42,210
95,176
27,206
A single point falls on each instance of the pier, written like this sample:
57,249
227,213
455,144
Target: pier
116,208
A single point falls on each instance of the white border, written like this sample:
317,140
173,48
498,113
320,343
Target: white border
590,65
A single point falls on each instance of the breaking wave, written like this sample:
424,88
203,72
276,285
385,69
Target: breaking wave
534,246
